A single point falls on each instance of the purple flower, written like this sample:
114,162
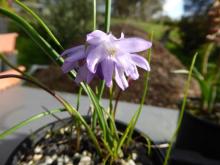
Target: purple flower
108,57
75,59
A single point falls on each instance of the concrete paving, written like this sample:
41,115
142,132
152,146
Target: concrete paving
19,103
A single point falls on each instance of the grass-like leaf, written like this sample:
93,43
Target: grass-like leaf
40,21
39,40
100,114
28,121
94,14
186,89
79,117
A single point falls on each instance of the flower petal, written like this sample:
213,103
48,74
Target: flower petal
107,70
112,37
120,78
94,57
96,37
80,54
73,50
82,74
132,45
124,61
68,66
133,73
140,61
90,76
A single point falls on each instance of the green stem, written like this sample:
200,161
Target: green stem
186,90
116,102
94,14
107,15
205,59
78,98
101,89
107,29
110,100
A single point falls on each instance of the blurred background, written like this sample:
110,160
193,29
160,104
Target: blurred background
180,27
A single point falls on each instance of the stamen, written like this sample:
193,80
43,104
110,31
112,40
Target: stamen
111,51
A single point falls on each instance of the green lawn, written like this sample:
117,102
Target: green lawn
174,42
157,28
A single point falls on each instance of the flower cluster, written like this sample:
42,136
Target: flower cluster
107,57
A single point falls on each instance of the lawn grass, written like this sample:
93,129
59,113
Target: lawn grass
174,42
157,27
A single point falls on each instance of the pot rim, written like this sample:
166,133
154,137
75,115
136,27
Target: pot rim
187,112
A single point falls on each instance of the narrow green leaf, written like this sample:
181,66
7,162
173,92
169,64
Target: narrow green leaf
40,41
99,111
147,75
186,89
94,14
127,131
41,22
107,15
78,98
149,143
28,121
79,117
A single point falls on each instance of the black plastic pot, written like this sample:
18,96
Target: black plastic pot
197,143
31,141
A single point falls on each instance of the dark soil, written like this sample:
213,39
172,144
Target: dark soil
194,106
165,88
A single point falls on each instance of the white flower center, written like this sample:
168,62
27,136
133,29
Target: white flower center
110,48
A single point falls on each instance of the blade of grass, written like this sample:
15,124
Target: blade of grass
79,117
35,36
28,121
100,114
78,98
186,89
41,22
